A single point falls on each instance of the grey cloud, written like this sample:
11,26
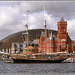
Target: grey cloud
56,9
9,3
17,20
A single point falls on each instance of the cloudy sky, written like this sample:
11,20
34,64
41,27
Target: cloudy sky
13,16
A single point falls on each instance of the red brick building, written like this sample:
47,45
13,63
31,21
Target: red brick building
56,43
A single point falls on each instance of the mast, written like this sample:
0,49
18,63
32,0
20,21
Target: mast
27,31
45,30
27,39
45,38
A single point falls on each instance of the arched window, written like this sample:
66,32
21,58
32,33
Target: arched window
63,29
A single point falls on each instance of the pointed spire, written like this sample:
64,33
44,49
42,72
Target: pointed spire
42,34
51,37
62,19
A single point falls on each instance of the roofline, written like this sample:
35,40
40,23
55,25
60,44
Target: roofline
22,31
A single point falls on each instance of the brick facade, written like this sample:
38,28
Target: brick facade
57,43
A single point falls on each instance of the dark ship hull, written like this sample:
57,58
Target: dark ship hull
37,61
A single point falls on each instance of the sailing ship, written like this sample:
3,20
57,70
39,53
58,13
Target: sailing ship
39,58
31,55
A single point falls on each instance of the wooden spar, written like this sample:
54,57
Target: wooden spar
45,29
45,38
27,32
27,39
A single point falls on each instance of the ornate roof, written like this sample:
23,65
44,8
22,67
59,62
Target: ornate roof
62,19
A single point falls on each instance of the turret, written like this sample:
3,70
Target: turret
51,43
42,34
51,37
62,35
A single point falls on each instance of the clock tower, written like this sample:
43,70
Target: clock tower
62,35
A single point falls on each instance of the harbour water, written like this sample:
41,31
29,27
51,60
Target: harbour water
41,69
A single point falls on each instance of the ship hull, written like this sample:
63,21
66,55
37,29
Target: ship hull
51,58
37,61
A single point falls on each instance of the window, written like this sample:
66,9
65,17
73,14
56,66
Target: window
62,29
63,44
63,50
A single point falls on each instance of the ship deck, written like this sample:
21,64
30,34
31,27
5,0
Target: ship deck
39,57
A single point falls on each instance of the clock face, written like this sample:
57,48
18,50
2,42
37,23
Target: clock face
62,29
